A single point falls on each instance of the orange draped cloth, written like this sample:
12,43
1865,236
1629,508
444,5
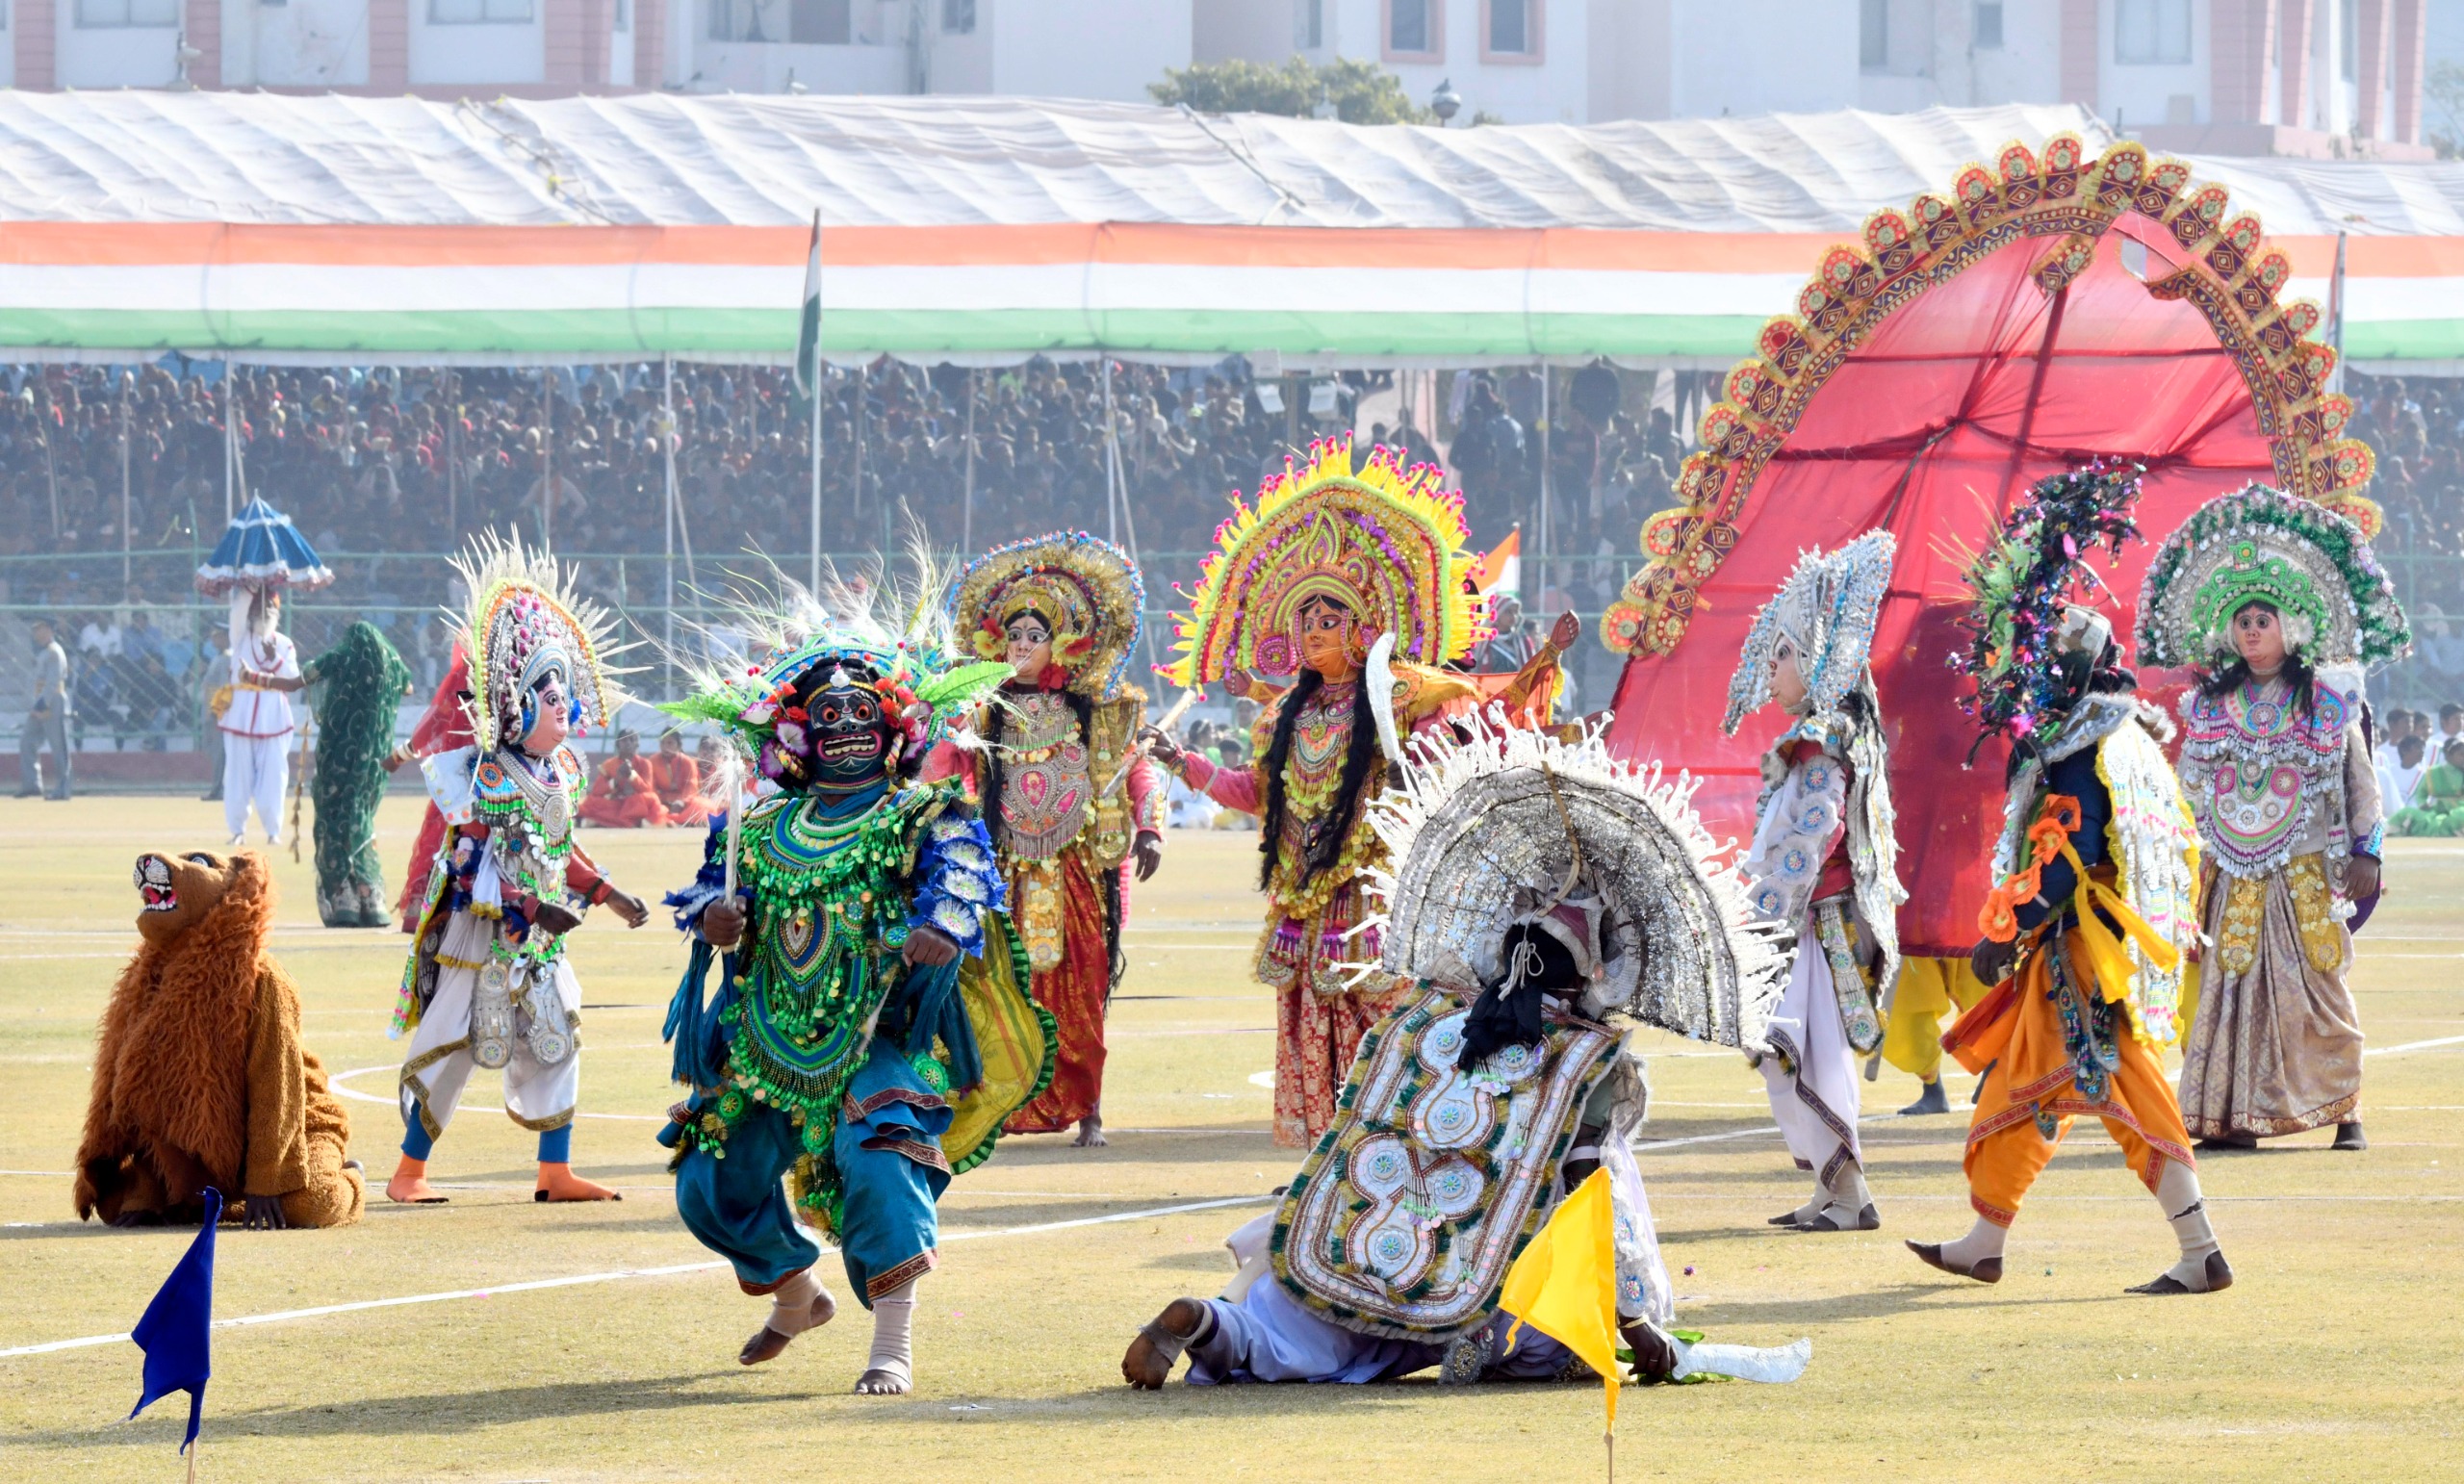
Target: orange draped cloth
1075,991
636,804
676,779
2015,1036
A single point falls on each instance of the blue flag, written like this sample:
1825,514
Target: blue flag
173,1332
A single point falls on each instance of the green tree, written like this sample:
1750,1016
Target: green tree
2444,93
1362,92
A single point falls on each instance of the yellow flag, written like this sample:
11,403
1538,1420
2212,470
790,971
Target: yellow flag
1565,1283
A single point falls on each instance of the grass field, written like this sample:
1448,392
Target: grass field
2333,1357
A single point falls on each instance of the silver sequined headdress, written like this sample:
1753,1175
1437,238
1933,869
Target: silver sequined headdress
1826,611
1512,826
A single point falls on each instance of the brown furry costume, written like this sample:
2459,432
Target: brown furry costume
199,1077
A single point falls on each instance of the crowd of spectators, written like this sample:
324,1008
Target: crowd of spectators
384,468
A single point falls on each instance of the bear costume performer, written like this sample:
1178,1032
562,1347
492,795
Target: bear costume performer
199,1077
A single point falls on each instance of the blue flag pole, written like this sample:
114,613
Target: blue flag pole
173,1334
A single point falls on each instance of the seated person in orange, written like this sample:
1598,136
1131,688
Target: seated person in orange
622,793
676,779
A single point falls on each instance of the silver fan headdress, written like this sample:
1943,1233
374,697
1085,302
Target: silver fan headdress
1513,827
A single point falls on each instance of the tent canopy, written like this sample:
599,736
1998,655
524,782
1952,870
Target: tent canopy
1923,393
279,228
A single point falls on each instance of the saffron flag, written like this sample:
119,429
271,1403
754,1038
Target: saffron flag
1565,1283
808,326
1501,570
173,1334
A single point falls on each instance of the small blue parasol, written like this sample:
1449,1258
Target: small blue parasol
261,550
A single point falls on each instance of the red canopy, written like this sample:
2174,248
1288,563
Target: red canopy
1928,414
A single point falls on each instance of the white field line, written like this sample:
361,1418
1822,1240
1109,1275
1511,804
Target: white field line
340,1080
321,1310
2391,1051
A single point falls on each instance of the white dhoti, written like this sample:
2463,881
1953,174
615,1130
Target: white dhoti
538,1096
255,770
1813,1080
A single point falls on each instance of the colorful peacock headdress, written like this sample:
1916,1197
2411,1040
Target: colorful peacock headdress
896,641
528,635
2028,587
2258,544
1383,541
1086,590
1826,611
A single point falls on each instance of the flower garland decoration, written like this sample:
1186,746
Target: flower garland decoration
2313,565
1999,918
1382,540
2025,581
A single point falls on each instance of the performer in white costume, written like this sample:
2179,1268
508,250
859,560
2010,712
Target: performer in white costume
488,984
1825,863
257,722
1546,898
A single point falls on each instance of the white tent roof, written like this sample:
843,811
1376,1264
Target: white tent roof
355,229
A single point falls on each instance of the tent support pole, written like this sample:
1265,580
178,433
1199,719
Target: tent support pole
966,507
125,577
1546,475
813,577
667,454
548,457
1111,459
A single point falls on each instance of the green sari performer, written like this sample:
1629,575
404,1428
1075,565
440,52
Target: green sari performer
356,689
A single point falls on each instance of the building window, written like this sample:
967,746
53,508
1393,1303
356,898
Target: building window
1989,26
478,12
1873,35
958,16
1413,28
1511,28
2152,33
1308,25
115,14
819,22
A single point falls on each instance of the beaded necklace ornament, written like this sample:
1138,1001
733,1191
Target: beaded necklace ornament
1384,542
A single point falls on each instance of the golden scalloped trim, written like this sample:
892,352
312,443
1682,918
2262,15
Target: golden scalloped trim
2229,274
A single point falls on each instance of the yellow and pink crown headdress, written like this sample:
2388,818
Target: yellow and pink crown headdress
1384,541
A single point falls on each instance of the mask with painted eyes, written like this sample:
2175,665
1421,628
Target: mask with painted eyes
176,891
842,741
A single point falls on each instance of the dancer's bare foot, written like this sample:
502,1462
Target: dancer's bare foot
882,1382
1158,1344
409,1186
771,1339
559,1183
1090,1132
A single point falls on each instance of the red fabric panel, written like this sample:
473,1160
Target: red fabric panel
1933,428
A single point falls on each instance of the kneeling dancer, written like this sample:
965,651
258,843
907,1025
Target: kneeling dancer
2098,866
1542,890
872,1027
488,983
1825,863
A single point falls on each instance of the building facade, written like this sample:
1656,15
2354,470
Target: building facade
2307,77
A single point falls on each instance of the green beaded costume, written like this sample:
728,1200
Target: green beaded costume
356,689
